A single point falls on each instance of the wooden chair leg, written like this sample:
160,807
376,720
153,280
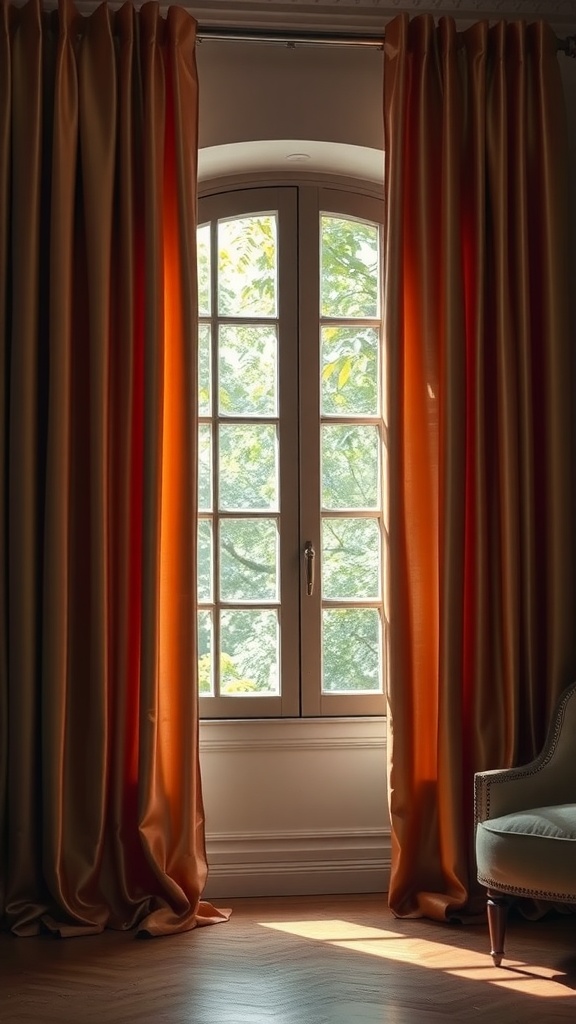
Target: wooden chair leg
497,907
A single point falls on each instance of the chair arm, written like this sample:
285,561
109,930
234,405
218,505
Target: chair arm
504,791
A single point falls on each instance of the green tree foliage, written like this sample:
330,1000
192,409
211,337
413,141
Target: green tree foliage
349,269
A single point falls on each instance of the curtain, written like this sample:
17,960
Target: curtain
481,555
101,812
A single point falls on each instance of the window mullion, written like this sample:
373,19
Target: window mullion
310,528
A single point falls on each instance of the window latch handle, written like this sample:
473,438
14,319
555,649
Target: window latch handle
309,556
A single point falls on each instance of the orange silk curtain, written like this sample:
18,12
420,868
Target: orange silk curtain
100,802
481,464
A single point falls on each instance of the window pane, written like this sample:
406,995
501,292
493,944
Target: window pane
249,660
248,467
247,367
350,467
247,266
349,271
203,264
248,560
351,650
204,560
204,371
205,649
350,371
205,467
350,559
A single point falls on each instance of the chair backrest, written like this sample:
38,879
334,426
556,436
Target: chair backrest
554,770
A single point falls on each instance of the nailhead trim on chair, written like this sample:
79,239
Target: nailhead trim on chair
518,890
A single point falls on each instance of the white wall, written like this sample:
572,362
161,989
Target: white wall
295,807
300,807
254,91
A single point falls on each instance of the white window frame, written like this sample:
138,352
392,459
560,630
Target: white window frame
303,201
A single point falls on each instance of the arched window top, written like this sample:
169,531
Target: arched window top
291,156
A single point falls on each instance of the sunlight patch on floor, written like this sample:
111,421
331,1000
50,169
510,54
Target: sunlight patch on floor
358,938
331,931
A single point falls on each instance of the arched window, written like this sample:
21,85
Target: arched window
291,489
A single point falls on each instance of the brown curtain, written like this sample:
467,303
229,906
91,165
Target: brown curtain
481,522
100,801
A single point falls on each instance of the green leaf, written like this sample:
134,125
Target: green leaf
329,370
344,373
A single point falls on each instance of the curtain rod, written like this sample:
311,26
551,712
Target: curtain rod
289,38
567,46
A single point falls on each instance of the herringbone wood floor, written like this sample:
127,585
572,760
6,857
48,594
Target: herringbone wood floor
305,960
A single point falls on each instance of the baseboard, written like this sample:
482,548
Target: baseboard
297,863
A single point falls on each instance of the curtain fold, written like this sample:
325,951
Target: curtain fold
480,448
100,794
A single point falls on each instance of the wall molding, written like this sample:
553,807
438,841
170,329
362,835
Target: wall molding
264,735
355,16
367,15
263,744
298,862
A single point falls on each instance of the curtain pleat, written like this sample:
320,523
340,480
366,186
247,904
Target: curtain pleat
100,792
5,105
481,595
24,827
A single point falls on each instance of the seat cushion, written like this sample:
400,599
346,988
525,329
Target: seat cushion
530,852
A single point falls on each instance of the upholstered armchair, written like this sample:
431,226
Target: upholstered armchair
525,821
